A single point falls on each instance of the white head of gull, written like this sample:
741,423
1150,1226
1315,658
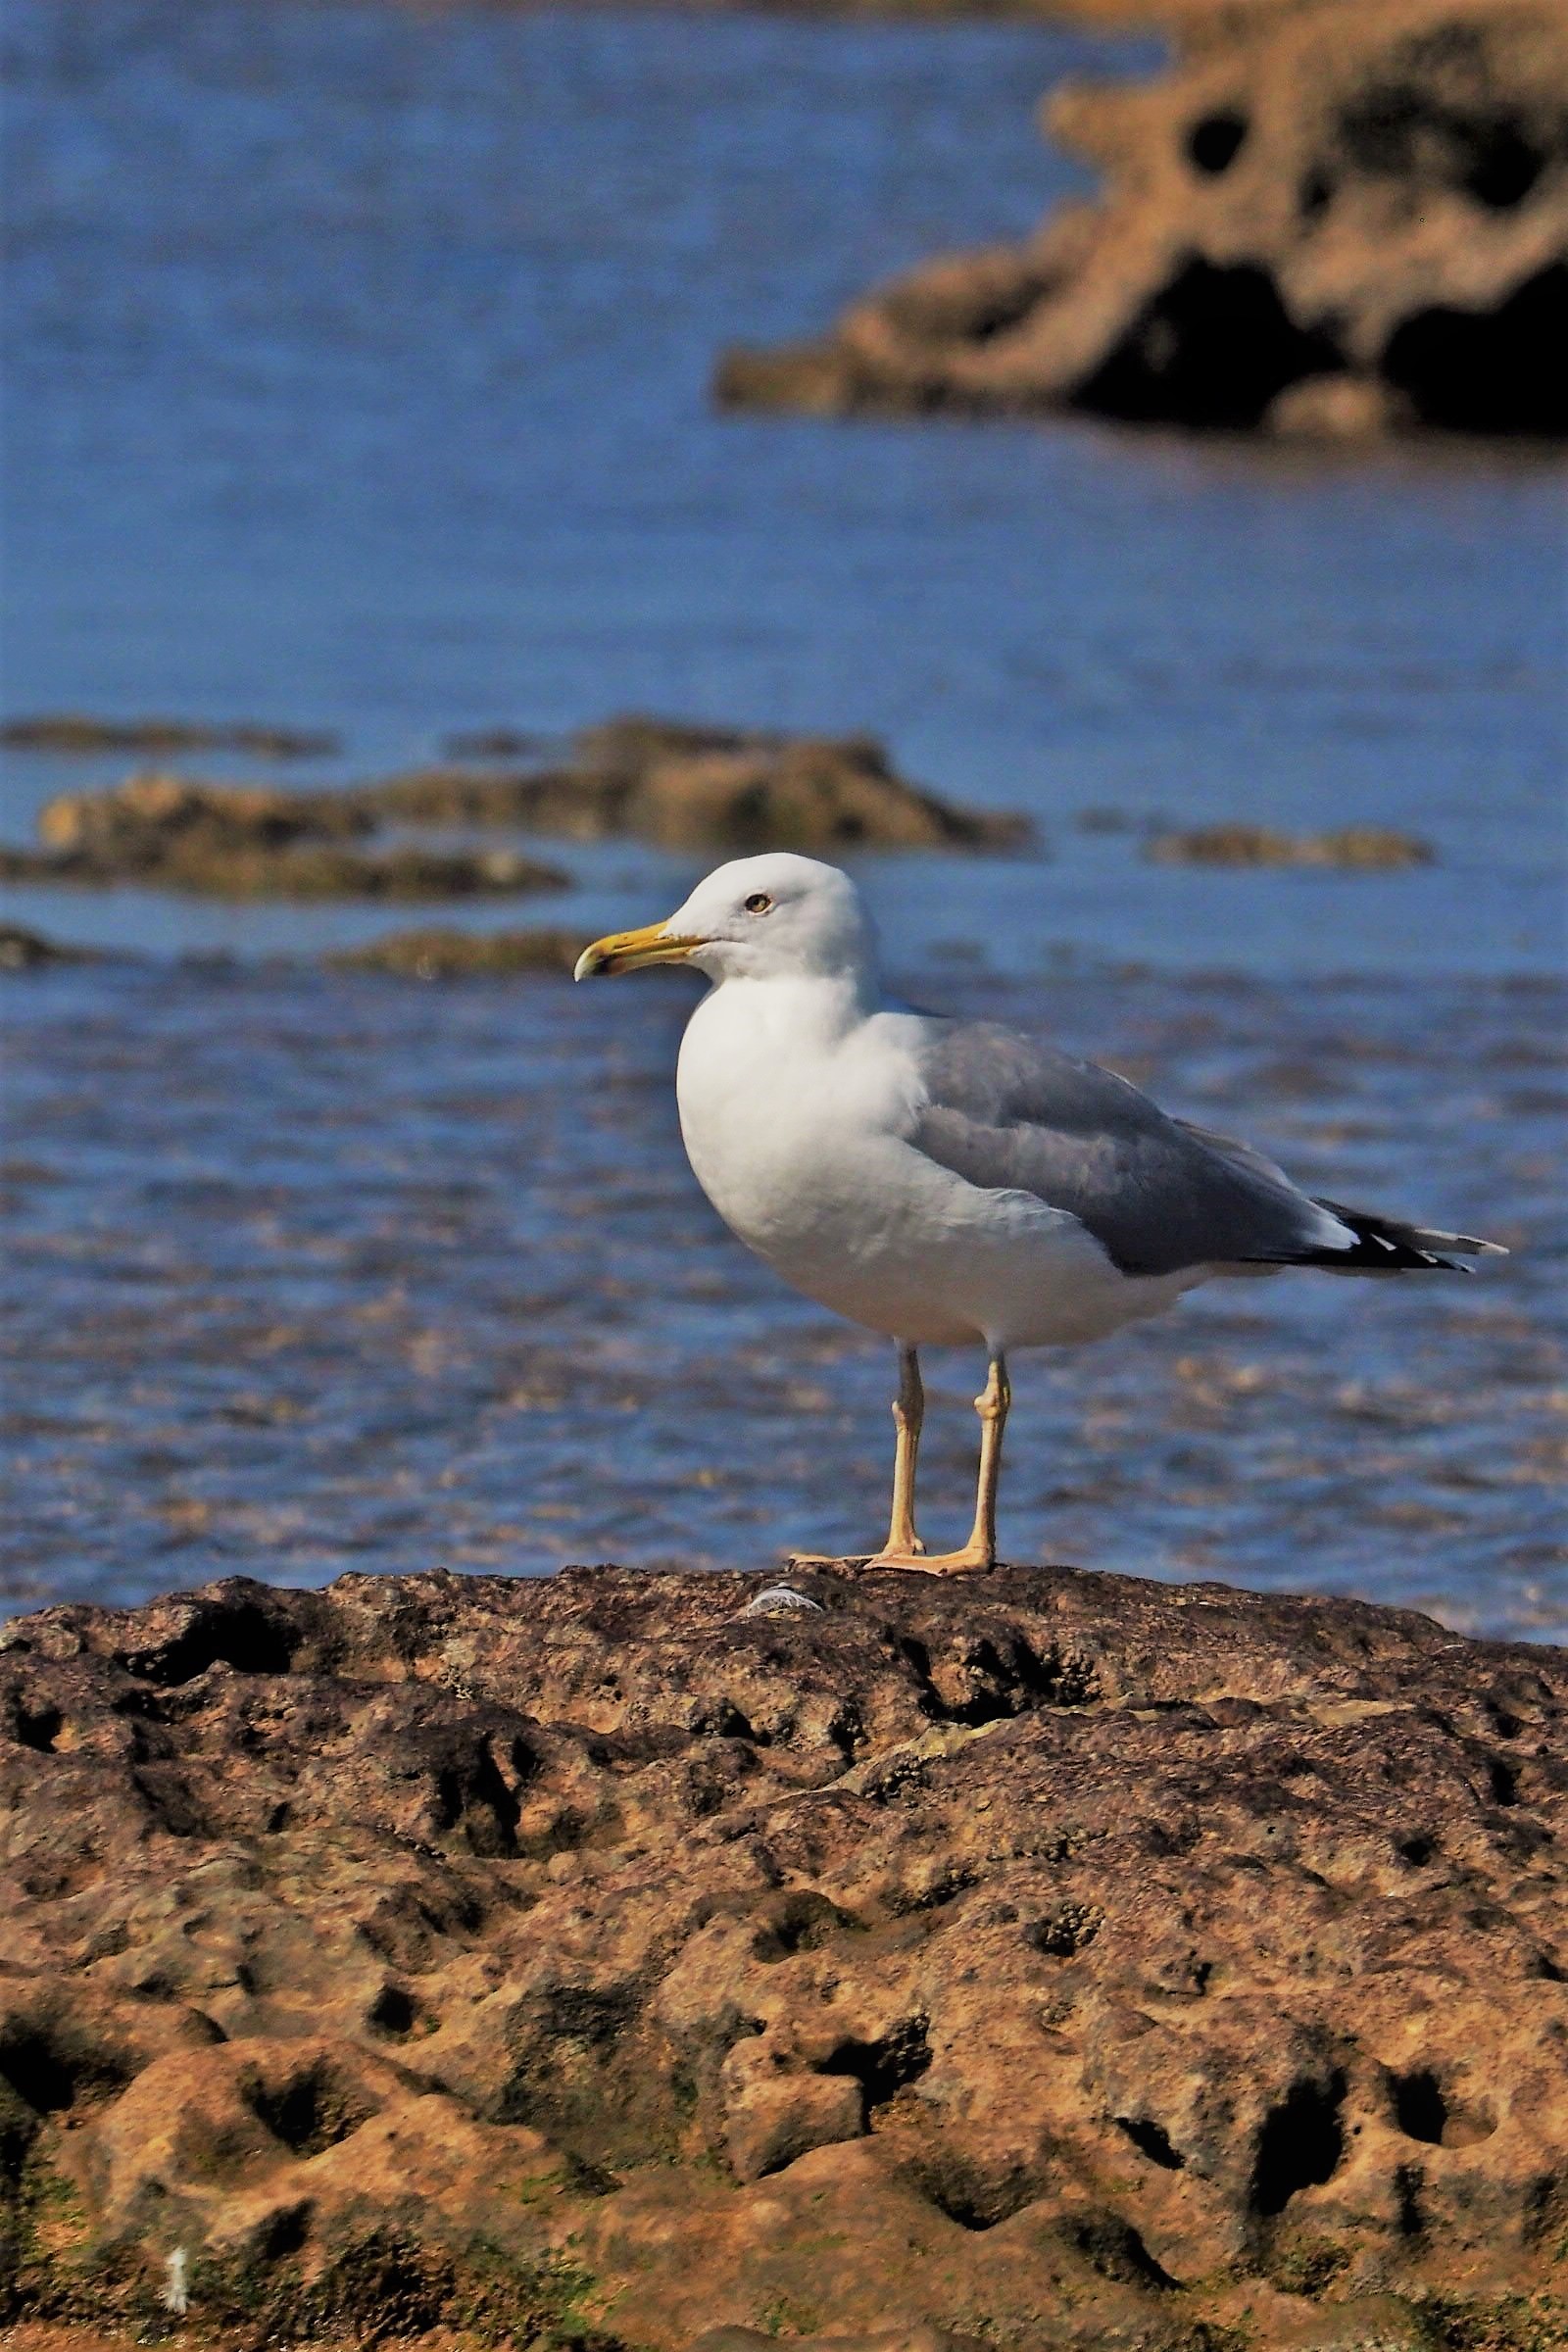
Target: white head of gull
952,1181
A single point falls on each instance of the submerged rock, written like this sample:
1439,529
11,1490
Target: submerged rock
492,743
151,817
1341,219
1370,849
1075,1960
24,951
72,731
692,787
446,954
168,832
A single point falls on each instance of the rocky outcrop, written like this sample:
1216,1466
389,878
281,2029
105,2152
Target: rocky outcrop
1334,218
438,953
24,951
1352,849
73,731
693,787
1042,1960
251,840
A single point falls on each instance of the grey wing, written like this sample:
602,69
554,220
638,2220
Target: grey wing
1008,1112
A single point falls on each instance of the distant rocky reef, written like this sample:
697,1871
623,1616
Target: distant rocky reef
1039,1962
1338,219
684,787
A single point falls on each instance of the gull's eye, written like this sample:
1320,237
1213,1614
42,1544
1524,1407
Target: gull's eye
759,902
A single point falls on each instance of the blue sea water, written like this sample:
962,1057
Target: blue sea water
356,374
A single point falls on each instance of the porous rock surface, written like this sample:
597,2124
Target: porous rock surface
645,1961
1332,219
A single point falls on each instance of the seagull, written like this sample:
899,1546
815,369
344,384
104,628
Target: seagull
952,1182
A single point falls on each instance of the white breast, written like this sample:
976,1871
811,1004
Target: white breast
796,1106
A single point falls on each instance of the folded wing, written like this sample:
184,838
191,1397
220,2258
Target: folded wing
1008,1112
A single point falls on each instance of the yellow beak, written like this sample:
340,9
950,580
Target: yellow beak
631,951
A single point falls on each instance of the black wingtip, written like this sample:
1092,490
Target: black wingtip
1384,1245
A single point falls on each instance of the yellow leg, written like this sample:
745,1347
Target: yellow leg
909,1413
981,1550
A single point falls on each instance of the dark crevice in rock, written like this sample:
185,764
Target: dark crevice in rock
882,2068
588,2013
393,2012
309,2112
1152,2139
1117,2251
1300,2143
51,2070
804,1922
965,2193
246,1635
1003,1682
1215,140
1213,349
1480,371
1419,2107
37,1727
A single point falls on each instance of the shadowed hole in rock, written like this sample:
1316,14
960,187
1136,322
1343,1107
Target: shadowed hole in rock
1150,2139
591,2014
37,1727
882,2068
1316,190
382,2284
1503,1781
1213,348
393,2012
1419,2107
1401,131
1115,2250
1300,2143
1003,1684
1416,1850
50,2070
285,2233
965,2193
242,1633
1488,372
309,2111
1504,168
476,1798
934,1894
1407,2196
722,1719
1423,2111
802,1922
1215,140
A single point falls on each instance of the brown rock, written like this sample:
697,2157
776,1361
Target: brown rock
1054,1959
1357,848
24,951
1340,217
691,787
241,840
444,954
72,731
147,817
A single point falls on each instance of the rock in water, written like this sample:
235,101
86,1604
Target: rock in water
1048,1960
696,787
246,841
1336,218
